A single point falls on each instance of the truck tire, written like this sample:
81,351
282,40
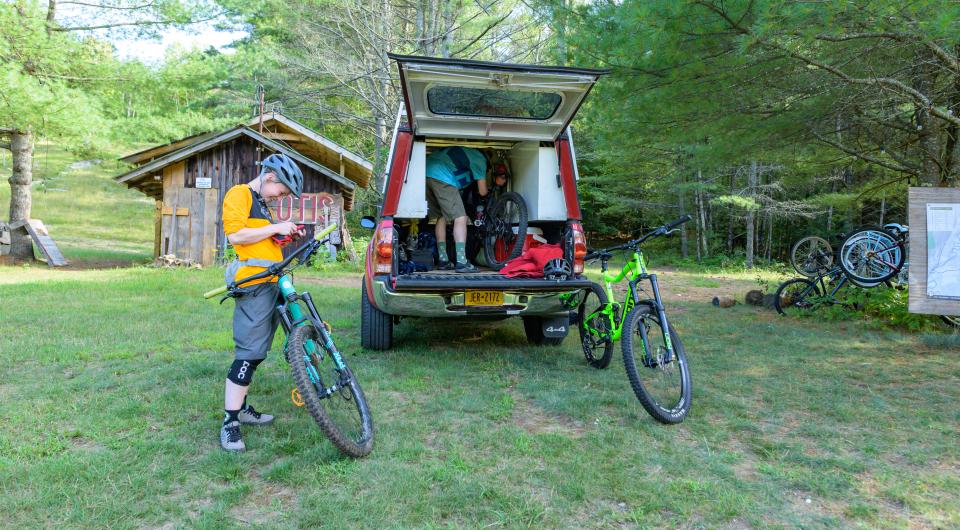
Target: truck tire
376,327
533,327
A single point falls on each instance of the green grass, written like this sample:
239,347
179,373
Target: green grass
112,396
93,219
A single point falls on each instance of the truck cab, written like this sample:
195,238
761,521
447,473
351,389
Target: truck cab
518,115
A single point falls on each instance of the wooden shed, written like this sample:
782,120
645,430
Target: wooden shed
189,177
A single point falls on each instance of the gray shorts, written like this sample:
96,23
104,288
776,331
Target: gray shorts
255,321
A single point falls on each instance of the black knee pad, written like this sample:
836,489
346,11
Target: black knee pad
241,371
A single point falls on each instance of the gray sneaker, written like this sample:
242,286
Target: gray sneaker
230,437
249,416
466,267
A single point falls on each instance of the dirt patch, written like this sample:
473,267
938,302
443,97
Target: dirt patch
86,265
85,444
332,281
533,419
267,503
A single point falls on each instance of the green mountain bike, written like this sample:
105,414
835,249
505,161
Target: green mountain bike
324,382
653,355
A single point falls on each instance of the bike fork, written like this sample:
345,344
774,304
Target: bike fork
662,315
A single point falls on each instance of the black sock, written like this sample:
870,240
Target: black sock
244,406
230,415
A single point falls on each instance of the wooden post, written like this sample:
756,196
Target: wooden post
157,224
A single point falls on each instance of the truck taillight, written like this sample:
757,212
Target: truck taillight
383,247
579,247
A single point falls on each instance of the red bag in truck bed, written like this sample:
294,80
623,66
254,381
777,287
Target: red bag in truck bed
530,264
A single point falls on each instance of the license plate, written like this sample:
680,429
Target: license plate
484,297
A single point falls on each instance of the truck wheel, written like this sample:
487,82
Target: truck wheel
376,327
533,327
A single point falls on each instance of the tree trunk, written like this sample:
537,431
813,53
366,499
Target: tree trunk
449,21
928,133
51,15
702,216
21,146
684,251
730,216
421,23
751,214
769,248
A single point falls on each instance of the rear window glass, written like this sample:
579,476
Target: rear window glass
492,102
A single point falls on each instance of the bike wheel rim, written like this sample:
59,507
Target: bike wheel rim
662,378
871,257
593,326
343,407
797,297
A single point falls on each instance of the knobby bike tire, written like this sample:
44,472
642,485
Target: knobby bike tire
333,428
597,351
785,298
676,409
803,261
856,269
498,231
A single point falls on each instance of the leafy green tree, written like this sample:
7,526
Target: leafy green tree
39,94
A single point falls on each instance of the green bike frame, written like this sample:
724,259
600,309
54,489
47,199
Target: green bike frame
291,316
633,270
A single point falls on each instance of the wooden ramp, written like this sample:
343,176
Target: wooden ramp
36,230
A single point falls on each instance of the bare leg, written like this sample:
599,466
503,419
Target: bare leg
233,395
441,232
460,229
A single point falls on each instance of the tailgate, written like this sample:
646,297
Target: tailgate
449,282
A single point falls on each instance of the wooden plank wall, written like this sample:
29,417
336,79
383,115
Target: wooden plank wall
919,302
189,219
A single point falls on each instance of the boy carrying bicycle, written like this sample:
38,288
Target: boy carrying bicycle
250,228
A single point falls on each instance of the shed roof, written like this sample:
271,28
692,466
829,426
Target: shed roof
280,134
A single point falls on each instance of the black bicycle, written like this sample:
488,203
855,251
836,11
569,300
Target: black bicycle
501,220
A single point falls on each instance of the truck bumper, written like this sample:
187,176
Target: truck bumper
451,302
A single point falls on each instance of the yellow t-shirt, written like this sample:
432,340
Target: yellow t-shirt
242,210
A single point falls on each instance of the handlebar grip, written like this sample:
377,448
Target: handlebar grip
325,232
215,292
673,224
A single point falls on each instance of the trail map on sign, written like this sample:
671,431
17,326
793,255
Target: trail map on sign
943,250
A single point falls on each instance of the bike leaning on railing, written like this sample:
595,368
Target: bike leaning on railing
653,355
324,382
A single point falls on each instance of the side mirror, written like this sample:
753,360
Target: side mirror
368,222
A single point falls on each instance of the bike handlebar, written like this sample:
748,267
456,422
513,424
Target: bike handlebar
673,224
274,269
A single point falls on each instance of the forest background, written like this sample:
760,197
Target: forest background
766,119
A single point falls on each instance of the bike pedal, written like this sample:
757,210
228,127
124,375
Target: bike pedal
296,397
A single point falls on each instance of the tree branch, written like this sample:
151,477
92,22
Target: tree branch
105,6
945,56
140,23
864,156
